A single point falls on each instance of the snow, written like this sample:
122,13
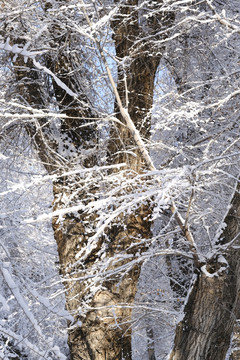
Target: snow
194,145
19,298
221,261
58,81
15,49
5,306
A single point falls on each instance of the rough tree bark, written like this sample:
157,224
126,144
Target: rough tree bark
235,348
135,88
110,338
102,329
212,307
213,304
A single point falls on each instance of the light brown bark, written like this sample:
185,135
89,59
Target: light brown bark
104,315
101,327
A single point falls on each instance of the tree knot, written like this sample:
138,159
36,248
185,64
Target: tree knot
215,266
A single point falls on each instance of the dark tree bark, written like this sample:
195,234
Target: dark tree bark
135,88
139,54
213,305
235,348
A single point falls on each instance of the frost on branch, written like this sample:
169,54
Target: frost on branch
128,115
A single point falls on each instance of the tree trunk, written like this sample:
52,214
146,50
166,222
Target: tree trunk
99,300
139,60
212,307
99,292
102,308
110,338
235,348
101,326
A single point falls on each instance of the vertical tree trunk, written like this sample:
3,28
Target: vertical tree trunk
105,331
235,348
212,306
101,308
139,60
100,303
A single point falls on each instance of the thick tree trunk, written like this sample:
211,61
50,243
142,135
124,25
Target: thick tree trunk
101,327
110,338
213,304
105,331
100,301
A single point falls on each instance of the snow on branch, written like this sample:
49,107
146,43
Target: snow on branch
12,285
19,339
57,80
17,50
16,293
